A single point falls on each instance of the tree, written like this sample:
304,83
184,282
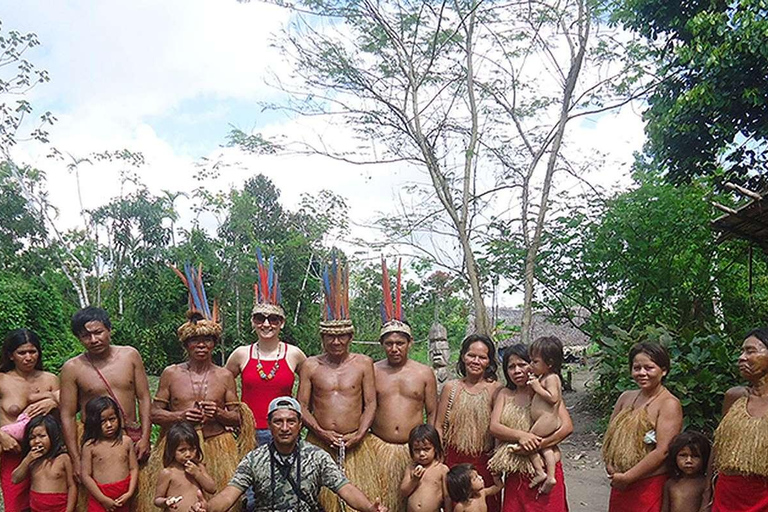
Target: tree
458,90
709,117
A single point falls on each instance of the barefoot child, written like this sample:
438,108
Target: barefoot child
184,472
546,361
47,465
687,465
109,467
424,481
467,489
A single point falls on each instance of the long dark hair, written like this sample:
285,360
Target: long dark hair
14,340
52,427
426,432
517,350
459,482
93,410
493,365
698,444
181,432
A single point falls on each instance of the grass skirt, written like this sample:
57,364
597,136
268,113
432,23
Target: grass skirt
362,467
623,445
504,459
741,442
392,459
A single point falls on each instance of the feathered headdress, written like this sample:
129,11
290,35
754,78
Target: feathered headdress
392,317
266,291
336,304
201,320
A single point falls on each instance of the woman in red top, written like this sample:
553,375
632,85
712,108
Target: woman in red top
268,367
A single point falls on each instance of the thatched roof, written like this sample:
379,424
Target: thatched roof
749,222
542,326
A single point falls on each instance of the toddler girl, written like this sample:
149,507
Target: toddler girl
184,473
467,489
46,463
108,453
687,465
424,480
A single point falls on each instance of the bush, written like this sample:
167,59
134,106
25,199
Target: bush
703,368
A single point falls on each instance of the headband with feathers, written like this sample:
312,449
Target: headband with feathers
336,300
266,291
392,317
201,319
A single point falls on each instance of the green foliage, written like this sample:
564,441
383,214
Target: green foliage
708,116
703,368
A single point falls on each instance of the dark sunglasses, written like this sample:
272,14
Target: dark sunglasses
273,319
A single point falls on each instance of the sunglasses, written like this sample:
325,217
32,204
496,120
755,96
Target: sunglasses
273,319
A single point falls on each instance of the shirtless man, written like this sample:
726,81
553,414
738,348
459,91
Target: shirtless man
338,396
406,394
103,370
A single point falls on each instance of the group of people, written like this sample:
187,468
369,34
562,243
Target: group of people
378,436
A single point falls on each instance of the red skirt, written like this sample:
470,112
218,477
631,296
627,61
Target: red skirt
642,496
518,497
48,501
454,457
734,493
114,491
15,496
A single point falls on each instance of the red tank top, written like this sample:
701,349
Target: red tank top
258,392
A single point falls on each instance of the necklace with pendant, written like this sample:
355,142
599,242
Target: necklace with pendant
201,390
260,368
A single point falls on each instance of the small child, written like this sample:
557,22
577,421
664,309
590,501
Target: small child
546,362
424,482
184,472
467,488
687,461
108,453
46,463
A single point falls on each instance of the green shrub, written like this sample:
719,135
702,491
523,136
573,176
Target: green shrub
703,367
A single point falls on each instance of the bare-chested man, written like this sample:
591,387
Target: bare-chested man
338,397
406,395
203,394
103,370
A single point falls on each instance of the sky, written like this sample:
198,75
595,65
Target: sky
170,78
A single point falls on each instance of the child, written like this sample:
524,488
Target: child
687,461
546,361
467,489
52,485
424,481
184,473
108,453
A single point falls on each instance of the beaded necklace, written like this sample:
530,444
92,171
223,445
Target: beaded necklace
260,368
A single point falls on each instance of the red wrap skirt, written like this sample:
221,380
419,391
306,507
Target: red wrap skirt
518,497
48,501
453,457
642,496
735,493
15,496
114,491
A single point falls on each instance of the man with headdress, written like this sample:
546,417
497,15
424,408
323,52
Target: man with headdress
337,393
406,391
201,393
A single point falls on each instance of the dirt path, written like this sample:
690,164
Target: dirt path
585,478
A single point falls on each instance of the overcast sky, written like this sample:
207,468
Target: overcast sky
169,78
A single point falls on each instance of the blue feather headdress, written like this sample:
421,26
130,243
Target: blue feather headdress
266,291
392,316
336,318
201,319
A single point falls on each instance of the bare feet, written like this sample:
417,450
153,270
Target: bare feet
537,479
547,486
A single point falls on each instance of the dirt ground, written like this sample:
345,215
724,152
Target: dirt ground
585,478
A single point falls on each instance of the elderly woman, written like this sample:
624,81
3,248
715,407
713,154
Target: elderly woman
740,455
464,410
510,424
26,391
643,423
